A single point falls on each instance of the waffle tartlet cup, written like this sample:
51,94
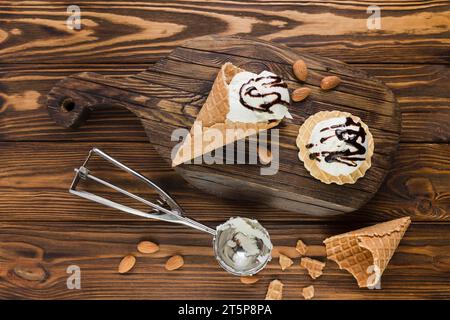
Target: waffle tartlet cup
304,138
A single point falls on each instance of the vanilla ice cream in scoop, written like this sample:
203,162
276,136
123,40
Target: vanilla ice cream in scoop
257,98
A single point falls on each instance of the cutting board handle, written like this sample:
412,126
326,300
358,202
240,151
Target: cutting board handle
73,98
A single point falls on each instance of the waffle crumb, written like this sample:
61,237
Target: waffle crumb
275,290
313,266
308,292
285,262
301,247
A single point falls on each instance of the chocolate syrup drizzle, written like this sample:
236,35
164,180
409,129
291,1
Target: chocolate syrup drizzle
349,137
253,92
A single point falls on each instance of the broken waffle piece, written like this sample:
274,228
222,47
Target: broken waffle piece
313,266
285,262
275,290
308,292
366,249
301,247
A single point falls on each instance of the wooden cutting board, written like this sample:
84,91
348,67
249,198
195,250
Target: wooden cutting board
170,93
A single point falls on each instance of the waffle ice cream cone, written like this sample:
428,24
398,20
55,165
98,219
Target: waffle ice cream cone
211,129
366,252
313,164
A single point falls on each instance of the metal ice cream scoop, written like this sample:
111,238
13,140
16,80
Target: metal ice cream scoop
242,246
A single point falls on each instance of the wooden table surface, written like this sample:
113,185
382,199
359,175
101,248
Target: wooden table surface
44,229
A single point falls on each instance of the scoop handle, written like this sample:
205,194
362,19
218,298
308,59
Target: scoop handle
174,215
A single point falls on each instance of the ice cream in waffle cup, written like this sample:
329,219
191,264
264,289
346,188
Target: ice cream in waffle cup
335,147
226,112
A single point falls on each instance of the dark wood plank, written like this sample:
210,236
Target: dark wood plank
425,112
418,270
354,82
410,31
44,228
139,94
349,100
423,94
36,176
23,106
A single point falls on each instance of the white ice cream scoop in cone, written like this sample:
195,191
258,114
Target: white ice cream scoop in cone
242,246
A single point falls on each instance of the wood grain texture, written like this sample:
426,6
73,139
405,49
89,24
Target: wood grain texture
169,95
44,229
422,91
24,116
36,176
418,269
145,31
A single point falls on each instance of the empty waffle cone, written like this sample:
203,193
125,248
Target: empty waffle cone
211,129
366,252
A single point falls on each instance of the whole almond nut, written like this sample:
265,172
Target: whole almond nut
264,155
174,263
300,70
330,82
249,279
127,263
147,247
300,94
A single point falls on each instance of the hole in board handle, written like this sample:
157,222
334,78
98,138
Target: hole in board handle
67,105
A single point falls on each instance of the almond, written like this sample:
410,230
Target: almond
127,263
300,70
147,247
300,94
174,263
249,279
330,82
264,155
